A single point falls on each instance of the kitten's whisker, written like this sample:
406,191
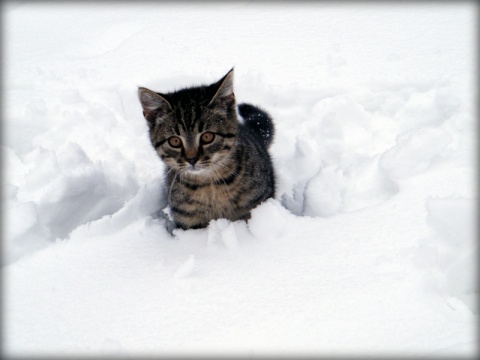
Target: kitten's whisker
232,172
228,168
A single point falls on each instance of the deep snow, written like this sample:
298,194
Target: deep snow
369,247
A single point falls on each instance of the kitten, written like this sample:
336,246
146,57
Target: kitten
217,167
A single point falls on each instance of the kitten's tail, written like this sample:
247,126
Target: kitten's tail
259,122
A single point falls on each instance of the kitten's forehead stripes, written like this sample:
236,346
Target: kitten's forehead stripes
194,117
189,124
201,125
176,129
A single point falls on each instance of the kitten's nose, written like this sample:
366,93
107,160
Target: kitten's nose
192,161
191,156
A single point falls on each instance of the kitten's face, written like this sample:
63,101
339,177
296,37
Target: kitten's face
193,130
194,146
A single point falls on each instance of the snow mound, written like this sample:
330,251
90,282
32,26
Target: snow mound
450,253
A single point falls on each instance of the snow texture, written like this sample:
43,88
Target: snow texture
367,249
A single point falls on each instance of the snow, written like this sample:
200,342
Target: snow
367,249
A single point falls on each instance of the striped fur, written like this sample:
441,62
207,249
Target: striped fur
216,166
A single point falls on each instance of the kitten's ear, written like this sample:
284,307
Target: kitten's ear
224,91
152,104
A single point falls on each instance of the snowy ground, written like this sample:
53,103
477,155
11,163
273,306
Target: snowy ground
369,247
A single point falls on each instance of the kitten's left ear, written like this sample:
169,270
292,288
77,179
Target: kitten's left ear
224,91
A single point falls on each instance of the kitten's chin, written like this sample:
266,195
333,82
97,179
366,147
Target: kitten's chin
195,171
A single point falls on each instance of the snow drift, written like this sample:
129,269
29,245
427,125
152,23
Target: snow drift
369,246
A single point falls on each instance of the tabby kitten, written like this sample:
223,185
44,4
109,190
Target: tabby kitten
217,167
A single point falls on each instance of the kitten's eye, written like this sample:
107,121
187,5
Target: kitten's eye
207,137
175,142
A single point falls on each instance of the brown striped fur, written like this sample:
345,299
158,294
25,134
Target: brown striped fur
217,167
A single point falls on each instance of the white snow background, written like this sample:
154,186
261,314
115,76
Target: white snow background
368,248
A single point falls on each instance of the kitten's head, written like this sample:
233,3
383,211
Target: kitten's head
193,130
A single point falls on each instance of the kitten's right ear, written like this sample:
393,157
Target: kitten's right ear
152,104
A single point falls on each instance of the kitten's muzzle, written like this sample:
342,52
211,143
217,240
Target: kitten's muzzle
191,156
192,161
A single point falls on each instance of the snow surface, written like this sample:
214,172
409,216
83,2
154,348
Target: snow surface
369,247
